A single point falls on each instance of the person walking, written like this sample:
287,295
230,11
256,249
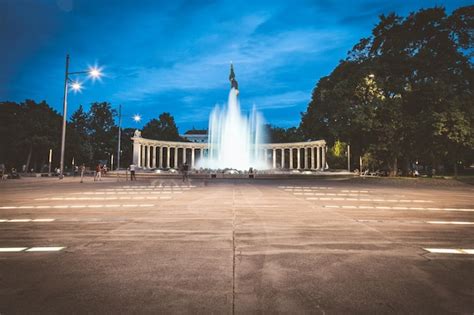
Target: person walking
185,171
83,169
132,172
98,172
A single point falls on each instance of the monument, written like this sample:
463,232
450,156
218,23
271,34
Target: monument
235,141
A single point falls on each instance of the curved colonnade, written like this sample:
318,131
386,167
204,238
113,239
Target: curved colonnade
149,153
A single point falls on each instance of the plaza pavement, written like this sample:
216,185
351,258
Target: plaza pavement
332,245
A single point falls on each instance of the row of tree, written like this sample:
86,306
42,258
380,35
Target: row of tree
404,95
29,130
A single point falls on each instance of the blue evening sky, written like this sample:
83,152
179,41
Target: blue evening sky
174,55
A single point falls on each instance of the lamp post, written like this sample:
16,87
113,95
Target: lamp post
119,137
94,73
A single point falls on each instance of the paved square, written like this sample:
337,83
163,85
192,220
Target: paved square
236,246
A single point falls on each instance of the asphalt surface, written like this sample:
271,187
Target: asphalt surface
235,246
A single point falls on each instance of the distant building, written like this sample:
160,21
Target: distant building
196,135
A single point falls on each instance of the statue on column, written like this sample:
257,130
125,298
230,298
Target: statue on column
233,81
137,134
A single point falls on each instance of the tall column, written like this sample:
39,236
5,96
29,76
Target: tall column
184,155
154,157
136,153
274,158
192,157
148,158
298,155
142,160
168,151
175,157
282,158
306,158
318,158
323,159
291,159
161,158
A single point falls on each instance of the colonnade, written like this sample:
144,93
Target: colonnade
148,153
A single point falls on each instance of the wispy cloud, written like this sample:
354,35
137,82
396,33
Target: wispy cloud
283,100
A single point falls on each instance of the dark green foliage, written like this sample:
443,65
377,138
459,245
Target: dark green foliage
403,94
163,128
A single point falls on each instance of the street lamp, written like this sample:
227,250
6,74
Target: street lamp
94,73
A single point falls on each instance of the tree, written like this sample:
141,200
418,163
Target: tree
102,130
163,128
404,93
78,140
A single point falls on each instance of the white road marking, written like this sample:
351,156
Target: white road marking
367,199
19,220
12,249
450,222
450,251
77,206
44,249
404,208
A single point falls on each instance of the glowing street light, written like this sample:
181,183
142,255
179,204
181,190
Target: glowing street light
94,73
137,118
76,86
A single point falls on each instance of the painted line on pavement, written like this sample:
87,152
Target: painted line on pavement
450,251
31,249
368,199
403,208
451,222
79,206
25,220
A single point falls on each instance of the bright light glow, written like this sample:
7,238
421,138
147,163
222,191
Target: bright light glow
95,72
137,118
44,249
11,249
450,251
450,222
76,86
19,220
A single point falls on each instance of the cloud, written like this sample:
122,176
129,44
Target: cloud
283,100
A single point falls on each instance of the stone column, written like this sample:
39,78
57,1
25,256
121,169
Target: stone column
282,158
312,158
184,155
323,159
306,158
136,153
298,155
143,158
192,157
274,158
154,157
318,158
291,158
175,157
161,158
148,158
168,151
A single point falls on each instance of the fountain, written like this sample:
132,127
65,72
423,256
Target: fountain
234,138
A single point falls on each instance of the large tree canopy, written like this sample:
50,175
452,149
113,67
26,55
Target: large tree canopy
404,93
163,128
